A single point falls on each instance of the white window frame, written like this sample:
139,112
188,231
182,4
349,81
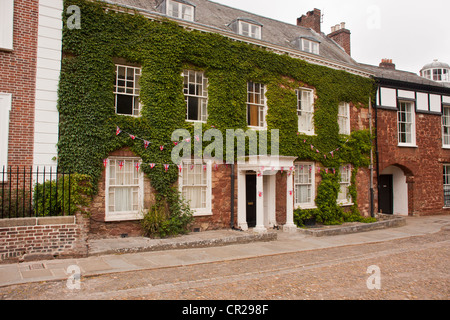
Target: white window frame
446,176
181,11
344,198
5,109
305,110
249,30
7,25
446,126
344,118
125,215
411,123
310,46
125,90
259,100
200,93
302,168
186,170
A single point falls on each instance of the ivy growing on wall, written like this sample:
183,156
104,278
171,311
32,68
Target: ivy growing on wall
86,100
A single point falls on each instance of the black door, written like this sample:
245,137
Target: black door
386,194
250,182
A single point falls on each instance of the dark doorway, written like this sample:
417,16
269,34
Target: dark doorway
386,194
250,182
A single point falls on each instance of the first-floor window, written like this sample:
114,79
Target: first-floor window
195,186
305,110
447,185
406,123
124,189
446,126
304,185
344,118
127,90
196,95
344,196
256,105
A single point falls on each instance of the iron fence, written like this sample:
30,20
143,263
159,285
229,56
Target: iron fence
34,192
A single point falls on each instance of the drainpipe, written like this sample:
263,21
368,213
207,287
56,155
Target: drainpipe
376,149
371,163
232,198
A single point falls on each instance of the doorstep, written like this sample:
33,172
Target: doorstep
355,227
192,240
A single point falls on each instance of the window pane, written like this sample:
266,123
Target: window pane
124,104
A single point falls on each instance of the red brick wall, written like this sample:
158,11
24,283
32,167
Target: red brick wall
43,238
423,165
18,76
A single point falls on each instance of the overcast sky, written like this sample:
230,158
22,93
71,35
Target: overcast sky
411,33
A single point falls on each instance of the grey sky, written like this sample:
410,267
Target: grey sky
411,33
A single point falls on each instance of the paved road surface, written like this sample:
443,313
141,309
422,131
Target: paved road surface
410,268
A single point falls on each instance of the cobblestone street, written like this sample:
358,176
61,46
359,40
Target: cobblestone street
410,268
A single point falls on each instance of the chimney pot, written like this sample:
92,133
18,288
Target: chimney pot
341,35
387,64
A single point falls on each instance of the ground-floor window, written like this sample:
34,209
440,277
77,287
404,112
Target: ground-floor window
195,186
447,185
124,189
344,196
304,186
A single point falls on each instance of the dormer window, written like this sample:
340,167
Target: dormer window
178,9
247,27
249,30
310,46
307,45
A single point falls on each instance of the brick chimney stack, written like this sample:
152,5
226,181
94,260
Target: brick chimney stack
341,36
311,20
387,64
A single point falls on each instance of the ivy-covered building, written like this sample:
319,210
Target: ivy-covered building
144,80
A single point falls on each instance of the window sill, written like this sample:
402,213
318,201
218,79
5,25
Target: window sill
116,217
202,214
345,204
257,128
407,146
304,206
447,148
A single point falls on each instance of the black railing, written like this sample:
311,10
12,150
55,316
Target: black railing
27,192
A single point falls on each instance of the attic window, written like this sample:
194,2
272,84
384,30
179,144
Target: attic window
309,46
247,27
180,9
249,30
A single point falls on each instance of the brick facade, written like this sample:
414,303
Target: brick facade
18,77
422,165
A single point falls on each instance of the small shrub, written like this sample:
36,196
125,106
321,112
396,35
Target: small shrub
170,216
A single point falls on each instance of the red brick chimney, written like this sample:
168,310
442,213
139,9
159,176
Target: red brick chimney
341,36
311,20
387,64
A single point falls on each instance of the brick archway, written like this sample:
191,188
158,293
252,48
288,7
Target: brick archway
402,188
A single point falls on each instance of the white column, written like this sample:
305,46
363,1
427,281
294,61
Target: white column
272,198
242,208
289,226
260,228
